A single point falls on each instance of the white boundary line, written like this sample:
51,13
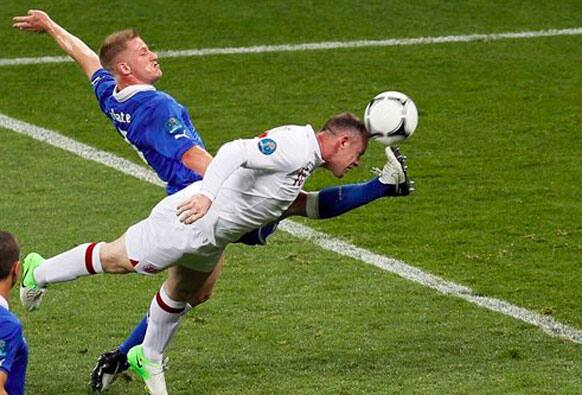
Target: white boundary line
326,242
323,45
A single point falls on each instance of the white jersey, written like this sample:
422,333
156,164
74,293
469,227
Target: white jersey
251,182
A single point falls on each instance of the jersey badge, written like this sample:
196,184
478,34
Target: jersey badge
176,128
267,146
173,125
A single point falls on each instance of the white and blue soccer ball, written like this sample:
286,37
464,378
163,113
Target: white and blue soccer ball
391,117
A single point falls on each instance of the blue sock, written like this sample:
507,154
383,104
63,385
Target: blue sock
136,337
337,200
258,236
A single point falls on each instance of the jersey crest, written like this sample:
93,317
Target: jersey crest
176,128
267,146
173,125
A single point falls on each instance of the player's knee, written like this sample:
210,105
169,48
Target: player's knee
114,261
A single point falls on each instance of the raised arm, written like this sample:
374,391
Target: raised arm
38,21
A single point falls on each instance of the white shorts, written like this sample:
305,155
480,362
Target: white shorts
161,240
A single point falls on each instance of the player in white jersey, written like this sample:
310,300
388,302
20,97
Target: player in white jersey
250,182
123,77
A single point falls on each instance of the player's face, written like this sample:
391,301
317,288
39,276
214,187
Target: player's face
347,154
142,62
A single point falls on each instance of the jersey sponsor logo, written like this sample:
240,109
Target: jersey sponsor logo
267,146
120,117
174,127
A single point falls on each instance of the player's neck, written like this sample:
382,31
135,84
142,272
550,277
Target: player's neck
5,287
124,82
326,144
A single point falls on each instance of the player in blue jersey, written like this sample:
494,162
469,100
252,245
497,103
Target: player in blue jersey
13,347
160,130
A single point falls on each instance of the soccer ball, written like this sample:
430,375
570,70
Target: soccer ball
391,117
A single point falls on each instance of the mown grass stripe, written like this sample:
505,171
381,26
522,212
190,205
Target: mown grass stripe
402,269
393,42
325,241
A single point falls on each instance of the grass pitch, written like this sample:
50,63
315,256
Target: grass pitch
495,159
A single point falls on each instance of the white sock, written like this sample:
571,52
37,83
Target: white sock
163,320
80,261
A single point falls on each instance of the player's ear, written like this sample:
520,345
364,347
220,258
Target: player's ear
123,68
15,272
344,141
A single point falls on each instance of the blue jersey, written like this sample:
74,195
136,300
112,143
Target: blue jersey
13,352
154,123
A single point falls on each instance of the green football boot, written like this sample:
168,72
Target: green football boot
30,293
151,372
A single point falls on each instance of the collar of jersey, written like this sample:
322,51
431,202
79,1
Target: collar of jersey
4,302
131,90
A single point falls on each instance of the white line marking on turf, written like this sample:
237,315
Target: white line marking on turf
393,42
84,151
325,241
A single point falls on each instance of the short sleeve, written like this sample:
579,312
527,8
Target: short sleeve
10,342
166,132
103,84
279,151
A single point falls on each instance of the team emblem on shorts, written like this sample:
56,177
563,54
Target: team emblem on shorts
151,269
267,146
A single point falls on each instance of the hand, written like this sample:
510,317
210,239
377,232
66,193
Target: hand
35,21
193,209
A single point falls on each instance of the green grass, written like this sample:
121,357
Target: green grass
495,159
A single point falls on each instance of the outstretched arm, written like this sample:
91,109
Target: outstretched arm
38,21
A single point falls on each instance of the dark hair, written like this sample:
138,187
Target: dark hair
9,253
113,45
346,122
